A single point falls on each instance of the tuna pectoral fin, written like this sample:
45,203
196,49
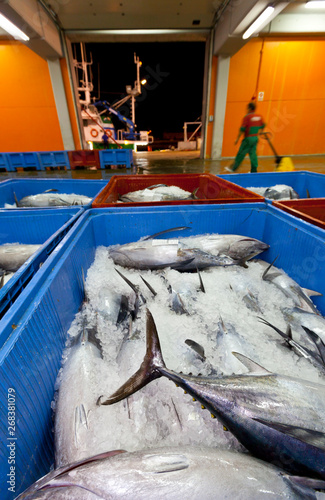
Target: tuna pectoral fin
180,228
308,436
148,371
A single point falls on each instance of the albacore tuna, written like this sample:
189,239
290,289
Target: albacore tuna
190,253
158,192
13,255
174,473
51,198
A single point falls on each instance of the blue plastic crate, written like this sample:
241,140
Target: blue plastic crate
4,164
303,182
31,357
31,227
25,187
54,159
23,160
116,157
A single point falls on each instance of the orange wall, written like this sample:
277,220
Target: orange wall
29,120
292,78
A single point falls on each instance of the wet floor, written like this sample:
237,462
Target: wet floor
171,162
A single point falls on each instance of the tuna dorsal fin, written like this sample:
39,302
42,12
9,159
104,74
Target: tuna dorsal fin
180,228
308,436
311,293
194,194
268,268
201,281
51,191
16,200
254,368
196,347
124,309
152,290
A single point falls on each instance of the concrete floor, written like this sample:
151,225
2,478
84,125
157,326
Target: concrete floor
173,162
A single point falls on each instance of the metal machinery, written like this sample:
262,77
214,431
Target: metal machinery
95,113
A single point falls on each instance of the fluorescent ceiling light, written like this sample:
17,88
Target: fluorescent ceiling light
10,28
315,4
258,22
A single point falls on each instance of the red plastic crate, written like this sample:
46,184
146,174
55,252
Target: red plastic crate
311,210
84,158
211,189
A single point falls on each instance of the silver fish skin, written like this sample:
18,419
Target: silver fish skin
5,276
266,412
297,318
13,256
73,431
159,193
237,247
53,200
157,254
174,473
289,287
280,192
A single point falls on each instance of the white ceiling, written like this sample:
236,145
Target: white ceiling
134,14
110,20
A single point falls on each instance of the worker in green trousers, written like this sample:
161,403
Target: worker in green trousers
251,124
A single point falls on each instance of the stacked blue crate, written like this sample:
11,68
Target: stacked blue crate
116,157
54,159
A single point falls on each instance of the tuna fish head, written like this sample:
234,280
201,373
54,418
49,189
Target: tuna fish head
247,247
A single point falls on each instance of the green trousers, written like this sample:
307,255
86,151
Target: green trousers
248,145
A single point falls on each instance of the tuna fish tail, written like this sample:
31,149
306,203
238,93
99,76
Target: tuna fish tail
148,371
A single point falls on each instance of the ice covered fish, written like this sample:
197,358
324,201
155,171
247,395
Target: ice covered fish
75,402
237,247
174,473
278,418
300,296
51,198
281,192
13,255
278,192
315,353
160,192
298,318
161,253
